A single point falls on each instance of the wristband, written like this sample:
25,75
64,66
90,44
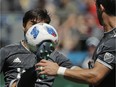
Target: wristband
61,70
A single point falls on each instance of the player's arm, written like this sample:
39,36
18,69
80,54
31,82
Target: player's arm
104,64
89,76
61,60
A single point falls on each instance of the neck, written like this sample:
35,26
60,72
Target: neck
23,42
109,22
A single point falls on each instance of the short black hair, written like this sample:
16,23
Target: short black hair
35,14
109,6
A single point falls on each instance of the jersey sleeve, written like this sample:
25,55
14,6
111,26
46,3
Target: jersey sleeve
62,60
107,56
2,58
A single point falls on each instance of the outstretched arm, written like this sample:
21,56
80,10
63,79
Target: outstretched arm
89,76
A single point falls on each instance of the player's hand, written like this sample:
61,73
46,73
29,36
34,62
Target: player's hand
48,67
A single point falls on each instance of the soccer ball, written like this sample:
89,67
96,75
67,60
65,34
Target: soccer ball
41,32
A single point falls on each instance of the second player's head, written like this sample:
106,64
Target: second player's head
107,6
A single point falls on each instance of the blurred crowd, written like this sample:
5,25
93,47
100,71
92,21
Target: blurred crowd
75,20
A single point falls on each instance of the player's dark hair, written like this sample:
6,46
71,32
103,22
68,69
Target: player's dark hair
109,6
38,13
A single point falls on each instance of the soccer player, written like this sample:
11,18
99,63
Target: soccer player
102,68
17,62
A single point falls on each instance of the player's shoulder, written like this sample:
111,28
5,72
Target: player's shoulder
10,47
110,42
110,37
8,50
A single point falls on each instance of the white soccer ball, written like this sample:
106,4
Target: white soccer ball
41,32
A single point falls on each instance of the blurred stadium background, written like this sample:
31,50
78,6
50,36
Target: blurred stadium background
75,21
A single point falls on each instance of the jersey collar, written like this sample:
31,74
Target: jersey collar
111,33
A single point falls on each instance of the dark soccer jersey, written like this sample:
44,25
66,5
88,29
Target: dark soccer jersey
106,55
15,59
